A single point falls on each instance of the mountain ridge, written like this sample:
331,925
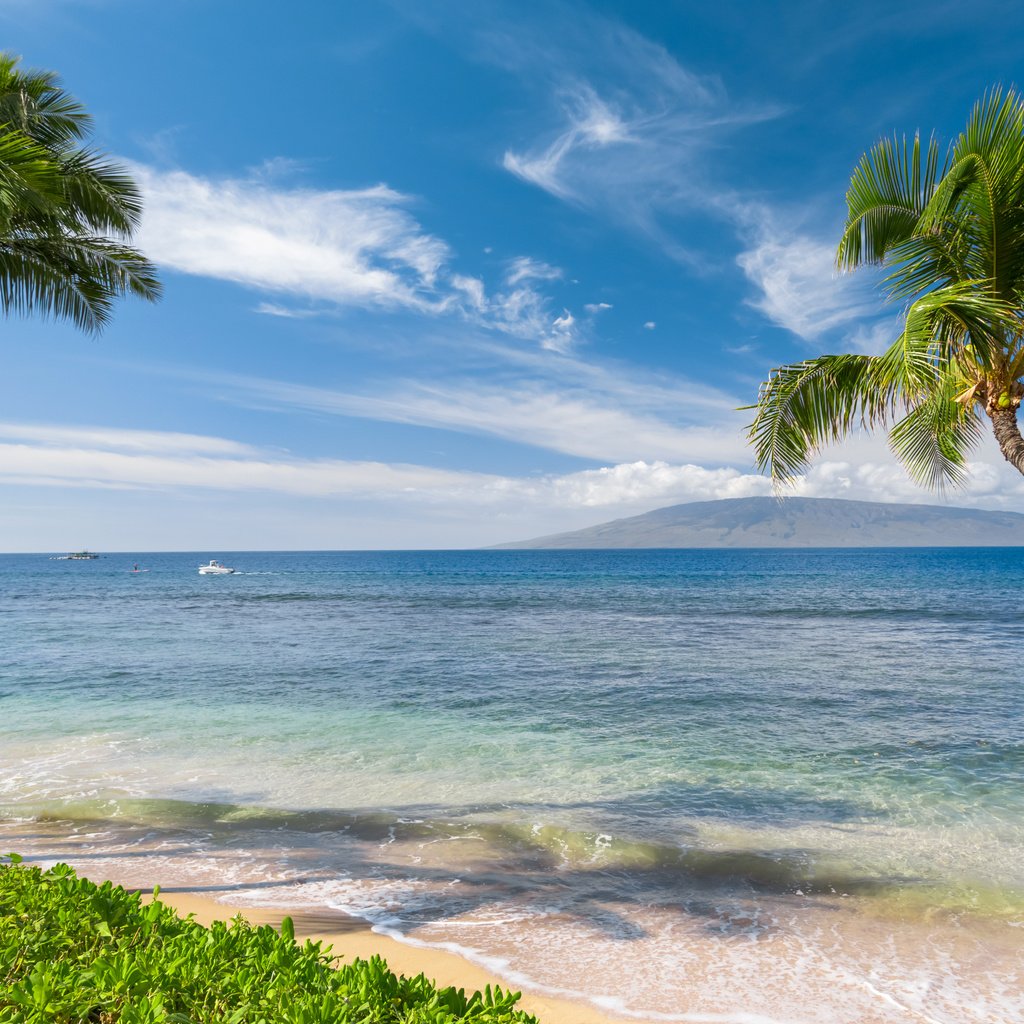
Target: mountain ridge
793,523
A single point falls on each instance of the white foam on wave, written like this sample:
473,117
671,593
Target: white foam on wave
503,968
729,962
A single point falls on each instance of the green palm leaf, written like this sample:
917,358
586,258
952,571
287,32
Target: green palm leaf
66,212
807,405
933,440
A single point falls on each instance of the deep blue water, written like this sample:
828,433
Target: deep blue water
760,685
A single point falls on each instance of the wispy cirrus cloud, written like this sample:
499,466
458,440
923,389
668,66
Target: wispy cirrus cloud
285,312
134,459
638,148
635,155
525,269
873,339
321,250
521,309
591,125
799,288
798,285
589,408
579,422
126,440
624,129
128,460
633,146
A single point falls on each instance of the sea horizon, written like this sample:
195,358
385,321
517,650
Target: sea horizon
497,549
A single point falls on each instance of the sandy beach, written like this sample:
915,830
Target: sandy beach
351,938
741,983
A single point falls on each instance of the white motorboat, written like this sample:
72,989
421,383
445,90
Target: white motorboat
214,569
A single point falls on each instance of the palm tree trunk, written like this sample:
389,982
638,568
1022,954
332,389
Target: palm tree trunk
1007,431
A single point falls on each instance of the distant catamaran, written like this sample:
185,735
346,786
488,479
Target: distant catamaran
76,556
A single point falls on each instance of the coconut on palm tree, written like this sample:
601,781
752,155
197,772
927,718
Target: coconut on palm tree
949,231
66,212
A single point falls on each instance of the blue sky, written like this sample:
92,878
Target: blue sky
447,274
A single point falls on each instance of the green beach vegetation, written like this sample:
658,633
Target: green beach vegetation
949,231
73,952
67,213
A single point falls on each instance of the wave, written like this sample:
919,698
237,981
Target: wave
520,852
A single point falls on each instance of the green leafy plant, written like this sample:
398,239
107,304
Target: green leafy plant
73,952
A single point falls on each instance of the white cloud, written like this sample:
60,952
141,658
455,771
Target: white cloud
112,439
473,290
562,331
632,148
655,483
593,308
609,421
800,288
98,457
872,339
332,249
525,269
650,325
524,312
592,125
104,458
635,151
621,485
85,467
287,312
356,247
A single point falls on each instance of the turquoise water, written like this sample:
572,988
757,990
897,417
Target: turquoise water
641,748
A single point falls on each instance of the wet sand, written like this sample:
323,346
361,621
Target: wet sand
821,962
350,938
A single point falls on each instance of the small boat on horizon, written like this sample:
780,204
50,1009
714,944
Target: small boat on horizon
214,568
75,556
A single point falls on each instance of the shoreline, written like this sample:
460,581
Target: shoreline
352,937
45,843
716,975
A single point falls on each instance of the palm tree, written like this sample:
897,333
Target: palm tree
950,232
66,212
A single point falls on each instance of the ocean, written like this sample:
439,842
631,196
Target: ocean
736,786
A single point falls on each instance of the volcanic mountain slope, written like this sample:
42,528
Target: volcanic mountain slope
795,523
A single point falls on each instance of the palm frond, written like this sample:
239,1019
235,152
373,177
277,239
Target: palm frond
99,195
888,191
979,198
30,286
933,440
34,102
804,406
941,324
74,278
29,178
66,212
950,233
